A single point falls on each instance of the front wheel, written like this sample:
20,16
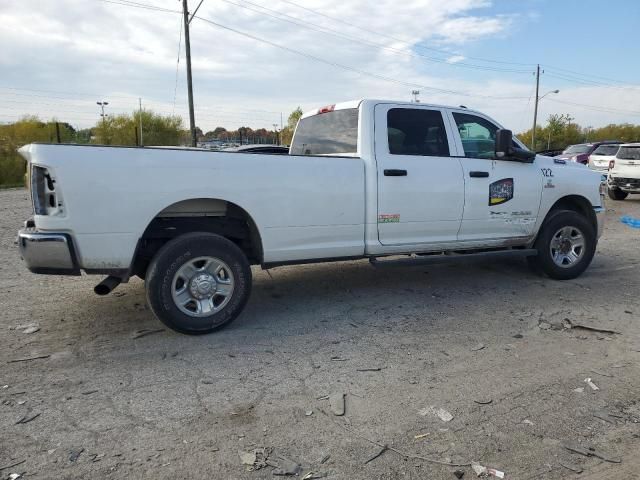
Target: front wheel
198,283
566,245
616,194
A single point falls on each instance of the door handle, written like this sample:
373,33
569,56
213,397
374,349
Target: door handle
475,174
395,173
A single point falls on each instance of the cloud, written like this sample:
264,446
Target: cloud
66,55
456,58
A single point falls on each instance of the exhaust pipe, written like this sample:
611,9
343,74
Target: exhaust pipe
106,286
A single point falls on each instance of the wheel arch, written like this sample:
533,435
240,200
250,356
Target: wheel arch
207,214
576,203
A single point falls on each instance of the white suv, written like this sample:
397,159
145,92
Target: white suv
601,156
624,172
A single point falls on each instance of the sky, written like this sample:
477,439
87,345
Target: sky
255,59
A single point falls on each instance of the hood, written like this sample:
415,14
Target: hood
558,162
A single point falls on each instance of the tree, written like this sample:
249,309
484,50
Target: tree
287,132
29,129
562,131
156,129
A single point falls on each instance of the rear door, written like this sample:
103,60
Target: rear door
502,197
420,185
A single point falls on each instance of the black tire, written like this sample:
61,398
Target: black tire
173,256
616,194
544,261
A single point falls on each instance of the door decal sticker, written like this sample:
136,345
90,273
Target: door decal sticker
389,218
501,191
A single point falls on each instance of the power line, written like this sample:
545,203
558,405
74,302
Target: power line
335,33
131,3
585,74
396,39
584,81
154,105
597,108
146,6
350,68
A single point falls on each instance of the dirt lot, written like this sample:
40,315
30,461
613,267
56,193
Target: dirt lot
168,406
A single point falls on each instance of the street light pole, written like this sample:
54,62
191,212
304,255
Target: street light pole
102,114
187,46
104,117
275,129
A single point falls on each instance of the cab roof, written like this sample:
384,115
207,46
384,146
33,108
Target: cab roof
356,104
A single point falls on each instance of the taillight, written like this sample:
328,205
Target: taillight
612,163
327,109
43,194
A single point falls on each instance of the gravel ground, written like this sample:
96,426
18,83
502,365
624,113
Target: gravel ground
467,339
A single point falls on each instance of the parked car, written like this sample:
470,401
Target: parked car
580,153
550,153
363,179
601,156
260,148
624,172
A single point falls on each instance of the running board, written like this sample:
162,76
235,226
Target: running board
452,258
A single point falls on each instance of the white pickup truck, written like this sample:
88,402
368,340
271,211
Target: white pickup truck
363,179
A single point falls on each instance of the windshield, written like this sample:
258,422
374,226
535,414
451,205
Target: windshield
581,148
606,150
629,153
327,133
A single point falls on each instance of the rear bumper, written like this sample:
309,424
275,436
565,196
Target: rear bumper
624,183
599,211
48,252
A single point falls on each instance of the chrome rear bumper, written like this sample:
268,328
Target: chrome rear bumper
51,253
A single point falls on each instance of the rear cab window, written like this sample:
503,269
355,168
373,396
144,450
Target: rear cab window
333,132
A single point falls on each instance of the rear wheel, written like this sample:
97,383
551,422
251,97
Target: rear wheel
616,194
566,245
198,283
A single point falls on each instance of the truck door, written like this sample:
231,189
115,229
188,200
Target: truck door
502,198
420,184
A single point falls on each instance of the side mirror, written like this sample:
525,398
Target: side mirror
504,143
505,150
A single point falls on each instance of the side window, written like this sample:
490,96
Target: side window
416,131
477,135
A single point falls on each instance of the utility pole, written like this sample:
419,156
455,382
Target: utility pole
104,118
187,46
140,119
415,94
535,110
